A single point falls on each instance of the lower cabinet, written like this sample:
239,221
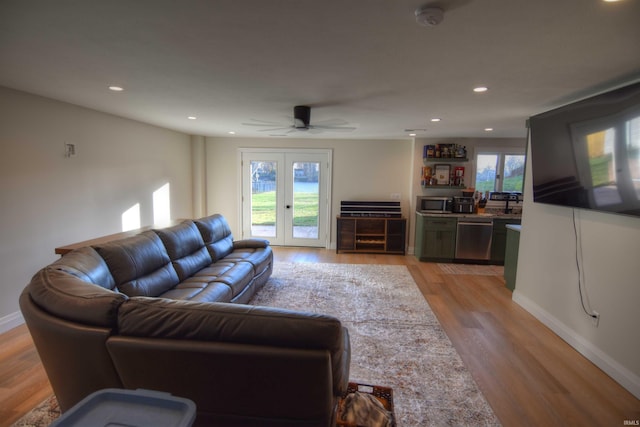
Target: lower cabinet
435,238
511,257
499,239
371,235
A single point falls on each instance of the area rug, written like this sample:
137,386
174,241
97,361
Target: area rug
478,270
42,415
396,340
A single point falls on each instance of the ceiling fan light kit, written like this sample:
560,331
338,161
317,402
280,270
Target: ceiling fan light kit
429,16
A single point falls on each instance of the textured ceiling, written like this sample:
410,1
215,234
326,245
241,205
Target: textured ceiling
365,62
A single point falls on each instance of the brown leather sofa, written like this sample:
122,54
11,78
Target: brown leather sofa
165,310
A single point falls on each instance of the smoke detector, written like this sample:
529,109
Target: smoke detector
429,16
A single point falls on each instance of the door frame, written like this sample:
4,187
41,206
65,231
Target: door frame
328,152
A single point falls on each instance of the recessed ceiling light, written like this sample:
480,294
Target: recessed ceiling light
480,89
192,117
488,129
116,88
231,132
412,134
436,119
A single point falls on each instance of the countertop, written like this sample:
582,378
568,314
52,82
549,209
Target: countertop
478,215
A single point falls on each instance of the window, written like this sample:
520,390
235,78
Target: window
499,171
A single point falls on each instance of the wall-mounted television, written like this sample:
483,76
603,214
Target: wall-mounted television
587,154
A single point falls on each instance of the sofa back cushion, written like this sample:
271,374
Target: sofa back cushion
186,248
216,235
139,264
85,263
240,324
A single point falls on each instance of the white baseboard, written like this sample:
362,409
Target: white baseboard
615,370
11,321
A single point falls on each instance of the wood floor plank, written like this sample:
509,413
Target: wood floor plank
529,375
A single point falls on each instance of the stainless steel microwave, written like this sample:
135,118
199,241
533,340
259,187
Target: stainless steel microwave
434,204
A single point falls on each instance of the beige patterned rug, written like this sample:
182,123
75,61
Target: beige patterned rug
396,339
478,270
42,415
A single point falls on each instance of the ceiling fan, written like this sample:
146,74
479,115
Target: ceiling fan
302,123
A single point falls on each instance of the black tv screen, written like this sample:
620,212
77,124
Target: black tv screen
587,154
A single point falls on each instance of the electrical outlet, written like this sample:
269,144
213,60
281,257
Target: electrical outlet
595,318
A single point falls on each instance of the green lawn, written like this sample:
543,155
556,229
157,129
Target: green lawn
509,184
305,209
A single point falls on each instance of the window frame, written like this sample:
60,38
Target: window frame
501,152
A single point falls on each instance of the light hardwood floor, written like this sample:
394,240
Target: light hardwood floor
528,374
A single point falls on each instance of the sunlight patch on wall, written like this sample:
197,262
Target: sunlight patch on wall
162,206
131,218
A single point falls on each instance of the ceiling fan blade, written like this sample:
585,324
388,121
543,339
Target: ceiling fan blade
331,122
273,129
263,124
336,128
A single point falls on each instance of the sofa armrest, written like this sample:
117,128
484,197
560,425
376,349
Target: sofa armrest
64,295
250,243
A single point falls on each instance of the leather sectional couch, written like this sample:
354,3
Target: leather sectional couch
166,310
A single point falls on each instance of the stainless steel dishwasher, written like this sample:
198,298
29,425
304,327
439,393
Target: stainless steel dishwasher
473,239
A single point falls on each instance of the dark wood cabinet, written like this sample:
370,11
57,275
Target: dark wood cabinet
371,235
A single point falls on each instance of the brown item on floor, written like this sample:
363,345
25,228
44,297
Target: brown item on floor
383,394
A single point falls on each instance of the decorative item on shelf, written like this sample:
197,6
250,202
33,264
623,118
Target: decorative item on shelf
428,151
456,152
427,174
461,152
442,174
458,176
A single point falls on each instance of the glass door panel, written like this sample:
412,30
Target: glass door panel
264,196
306,198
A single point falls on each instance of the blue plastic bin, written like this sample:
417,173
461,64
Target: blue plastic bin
134,408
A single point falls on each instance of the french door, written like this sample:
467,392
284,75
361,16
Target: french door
285,196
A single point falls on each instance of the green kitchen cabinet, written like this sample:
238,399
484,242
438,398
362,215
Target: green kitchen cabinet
435,238
511,256
499,238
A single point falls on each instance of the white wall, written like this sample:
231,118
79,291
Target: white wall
547,282
48,200
372,169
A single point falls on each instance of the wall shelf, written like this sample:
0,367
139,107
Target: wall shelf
426,160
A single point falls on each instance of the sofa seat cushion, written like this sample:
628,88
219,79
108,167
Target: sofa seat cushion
260,258
139,264
200,289
185,247
236,275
